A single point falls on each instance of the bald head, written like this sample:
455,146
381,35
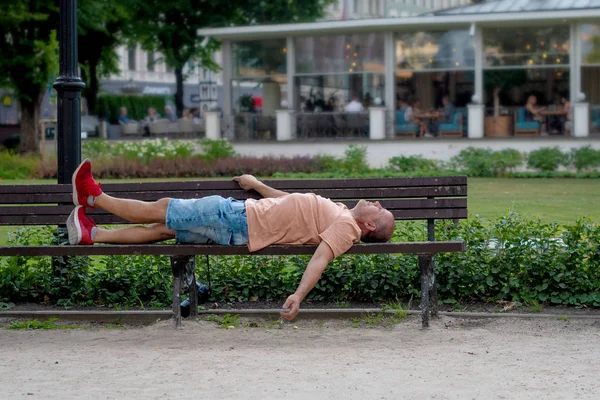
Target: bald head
384,229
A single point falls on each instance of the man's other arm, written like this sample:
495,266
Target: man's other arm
317,264
249,182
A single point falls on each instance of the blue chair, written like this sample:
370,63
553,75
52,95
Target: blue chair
596,117
404,129
454,128
523,127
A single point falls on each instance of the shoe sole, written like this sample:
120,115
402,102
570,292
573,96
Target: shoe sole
73,227
75,199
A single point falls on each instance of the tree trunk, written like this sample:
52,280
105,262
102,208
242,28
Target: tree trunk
179,92
90,92
30,118
496,102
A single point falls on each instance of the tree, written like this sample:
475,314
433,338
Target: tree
170,28
503,80
101,24
29,51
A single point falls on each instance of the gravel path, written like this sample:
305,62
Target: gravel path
454,359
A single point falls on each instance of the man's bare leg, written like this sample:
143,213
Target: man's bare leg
134,234
136,211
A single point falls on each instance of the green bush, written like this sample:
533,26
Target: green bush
506,160
476,162
15,166
547,159
213,150
355,160
585,158
412,163
354,163
512,259
137,106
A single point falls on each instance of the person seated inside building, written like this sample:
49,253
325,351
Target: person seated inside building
413,108
446,114
568,115
355,106
170,114
533,112
123,118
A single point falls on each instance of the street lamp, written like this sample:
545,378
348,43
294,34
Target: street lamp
68,86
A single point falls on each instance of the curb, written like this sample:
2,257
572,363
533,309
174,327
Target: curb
140,316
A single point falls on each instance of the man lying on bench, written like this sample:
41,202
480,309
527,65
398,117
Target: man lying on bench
278,218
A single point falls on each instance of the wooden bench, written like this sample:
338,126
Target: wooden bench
426,199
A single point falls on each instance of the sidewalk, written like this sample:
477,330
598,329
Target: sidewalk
455,359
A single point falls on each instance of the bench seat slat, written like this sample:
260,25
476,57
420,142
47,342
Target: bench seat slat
334,194
284,184
188,249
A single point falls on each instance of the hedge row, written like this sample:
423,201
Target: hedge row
161,158
513,259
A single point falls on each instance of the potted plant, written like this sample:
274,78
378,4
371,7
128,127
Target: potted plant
498,82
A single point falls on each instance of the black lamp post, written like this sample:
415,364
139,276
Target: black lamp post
68,86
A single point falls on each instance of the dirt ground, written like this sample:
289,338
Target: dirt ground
456,358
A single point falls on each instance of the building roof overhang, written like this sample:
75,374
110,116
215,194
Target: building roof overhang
422,22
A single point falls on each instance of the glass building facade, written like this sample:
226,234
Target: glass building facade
500,65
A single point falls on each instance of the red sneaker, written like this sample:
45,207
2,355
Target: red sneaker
79,227
84,185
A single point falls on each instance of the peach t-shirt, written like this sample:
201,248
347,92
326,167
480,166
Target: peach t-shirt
300,218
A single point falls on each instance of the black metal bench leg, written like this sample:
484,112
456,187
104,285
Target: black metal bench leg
190,265
424,265
177,267
433,297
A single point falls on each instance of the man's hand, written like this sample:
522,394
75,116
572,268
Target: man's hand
293,303
247,182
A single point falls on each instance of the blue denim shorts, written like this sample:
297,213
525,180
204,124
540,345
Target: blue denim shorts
209,220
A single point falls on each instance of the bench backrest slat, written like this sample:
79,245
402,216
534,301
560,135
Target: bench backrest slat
310,184
334,194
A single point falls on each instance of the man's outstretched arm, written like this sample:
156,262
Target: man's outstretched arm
249,182
317,264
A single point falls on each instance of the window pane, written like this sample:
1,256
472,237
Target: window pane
260,58
430,87
439,50
526,46
150,62
131,59
590,46
331,93
348,54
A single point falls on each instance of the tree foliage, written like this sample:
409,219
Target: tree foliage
29,52
170,28
101,24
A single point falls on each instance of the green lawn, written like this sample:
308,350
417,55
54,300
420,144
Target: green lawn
559,200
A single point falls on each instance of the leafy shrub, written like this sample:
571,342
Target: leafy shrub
143,150
216,149
547,159
355,160
412,163
585,158
505,160
513,259
109,105
353,163
15,166
144,280
477,162
39,278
